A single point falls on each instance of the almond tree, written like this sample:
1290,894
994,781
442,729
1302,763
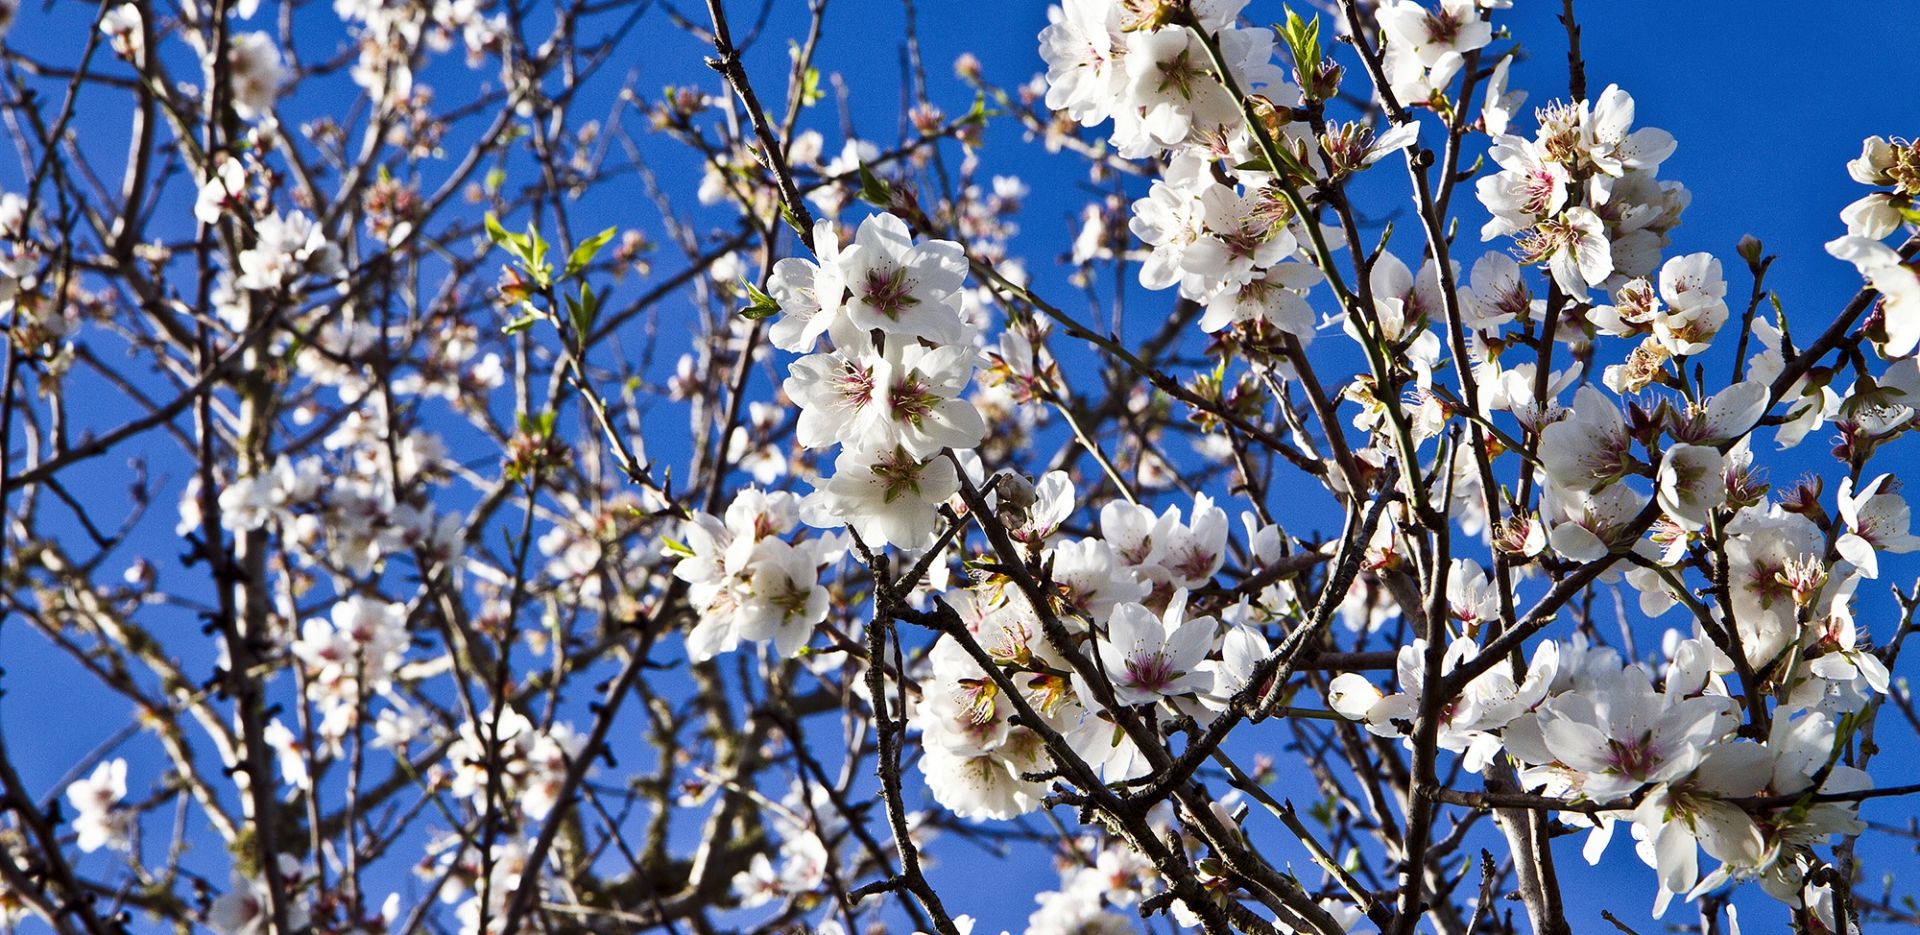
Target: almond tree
732,567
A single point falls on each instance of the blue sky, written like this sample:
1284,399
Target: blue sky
1768,102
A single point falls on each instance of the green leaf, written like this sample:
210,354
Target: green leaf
538,426
537,257
500,236
978,114
873,190
1302,38
1780,318
583,311
810,92
520,324
793,221
759,304
584,253
676,547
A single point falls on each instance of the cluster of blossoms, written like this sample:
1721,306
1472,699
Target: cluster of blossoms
1669,749
810,831
348,521
1151,76
1660,748
1583,201
1235,247
887,391
100,820
506,758
1123,599
1884,165
1116,626
747,581
1582,197
287,247
391,36
1102,886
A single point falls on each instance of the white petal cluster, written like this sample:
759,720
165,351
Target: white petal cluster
1155,81
889,390
1425,48
507,760
747,582
1232,247
1581,196
1123,602
246,907
1659,748
1891,165
99,819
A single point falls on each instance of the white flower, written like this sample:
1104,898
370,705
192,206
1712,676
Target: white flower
1898,285
1611,148
839,399
1241,650
99,821
1403,304
1085,52
1626,734
973,760
223,191
1171,86
1695,292
1276,295
1760,548
1169,220
1589,526
255,68
757,885
1148,658
1046,505
1877,156
1496,112
549,758
1195,551
1528,189
1590,449
1691,486
1872,216
290,753
121,26
812,296
1499,295
1833,643
903,288
287,248
920,391
1437,39
784,598
1471,721
1728,415
1241,237
354,652
1092,580
1875,521
245,908
888,497
1472,598
1573,247
1678,819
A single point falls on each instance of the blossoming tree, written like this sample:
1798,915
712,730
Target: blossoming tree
756,565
